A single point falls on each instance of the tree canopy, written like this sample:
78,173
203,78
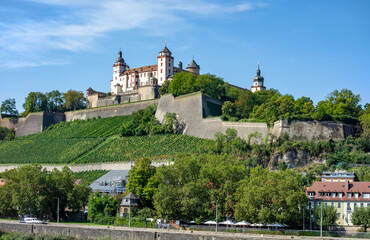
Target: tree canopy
361,217
329,215
31,189
74,100
269,197
8,107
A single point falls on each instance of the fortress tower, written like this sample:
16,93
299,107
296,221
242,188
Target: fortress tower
165,65
258,81
193,67
119,67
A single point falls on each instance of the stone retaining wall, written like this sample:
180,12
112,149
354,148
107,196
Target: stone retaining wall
124,233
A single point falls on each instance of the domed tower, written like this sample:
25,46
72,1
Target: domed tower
193,67
165,65
118,67
258,81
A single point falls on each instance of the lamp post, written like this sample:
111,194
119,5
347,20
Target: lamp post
321,220
58,209
304,208
129,213
216,216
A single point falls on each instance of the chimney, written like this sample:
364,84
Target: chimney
347,185
180,65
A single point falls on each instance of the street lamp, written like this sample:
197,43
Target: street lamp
321,220
216,216
58,208
129,213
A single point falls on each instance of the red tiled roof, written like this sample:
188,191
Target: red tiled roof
140,69
340,187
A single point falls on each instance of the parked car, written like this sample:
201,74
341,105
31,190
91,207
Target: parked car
31,221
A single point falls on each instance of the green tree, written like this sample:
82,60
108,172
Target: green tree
342,102
269,197
285,105
138,179
329,215
365,121
190,188
32,189
164,88
35,102
74,100
6,133
182,83
231,93
101,205
245,103
361,217
211,85
304,106
8,107
229,109
55,101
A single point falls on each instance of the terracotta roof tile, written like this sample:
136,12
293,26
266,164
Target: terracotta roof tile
140,69
340,187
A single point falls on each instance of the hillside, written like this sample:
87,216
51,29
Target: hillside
92,141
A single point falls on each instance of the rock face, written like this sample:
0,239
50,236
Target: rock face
293,159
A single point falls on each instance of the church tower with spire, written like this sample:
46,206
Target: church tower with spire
118,67
258,81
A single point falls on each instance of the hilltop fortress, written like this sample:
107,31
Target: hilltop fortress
130,86
140,83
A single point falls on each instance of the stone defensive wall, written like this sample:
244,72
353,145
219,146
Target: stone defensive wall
193,109
109,111
33,123
124,233
195,112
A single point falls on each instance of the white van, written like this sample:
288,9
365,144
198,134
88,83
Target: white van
31,220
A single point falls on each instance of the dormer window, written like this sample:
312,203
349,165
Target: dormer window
356,195
311,194
321,194
333,194
327,194
340,195
349,195
366,195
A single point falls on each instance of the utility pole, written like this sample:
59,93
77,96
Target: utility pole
58,209
321,220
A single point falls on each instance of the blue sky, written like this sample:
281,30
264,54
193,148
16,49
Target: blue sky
305,48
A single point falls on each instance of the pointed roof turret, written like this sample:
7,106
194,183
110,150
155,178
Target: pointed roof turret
165,49
258,77
119,58
193,64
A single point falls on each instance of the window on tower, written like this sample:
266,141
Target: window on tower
169,64
161,70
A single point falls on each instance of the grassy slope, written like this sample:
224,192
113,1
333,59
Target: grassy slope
93,140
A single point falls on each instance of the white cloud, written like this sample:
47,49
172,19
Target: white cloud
85,20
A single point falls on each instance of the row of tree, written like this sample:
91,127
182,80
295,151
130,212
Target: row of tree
267,105
193,186
270,105
54,101
33,190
